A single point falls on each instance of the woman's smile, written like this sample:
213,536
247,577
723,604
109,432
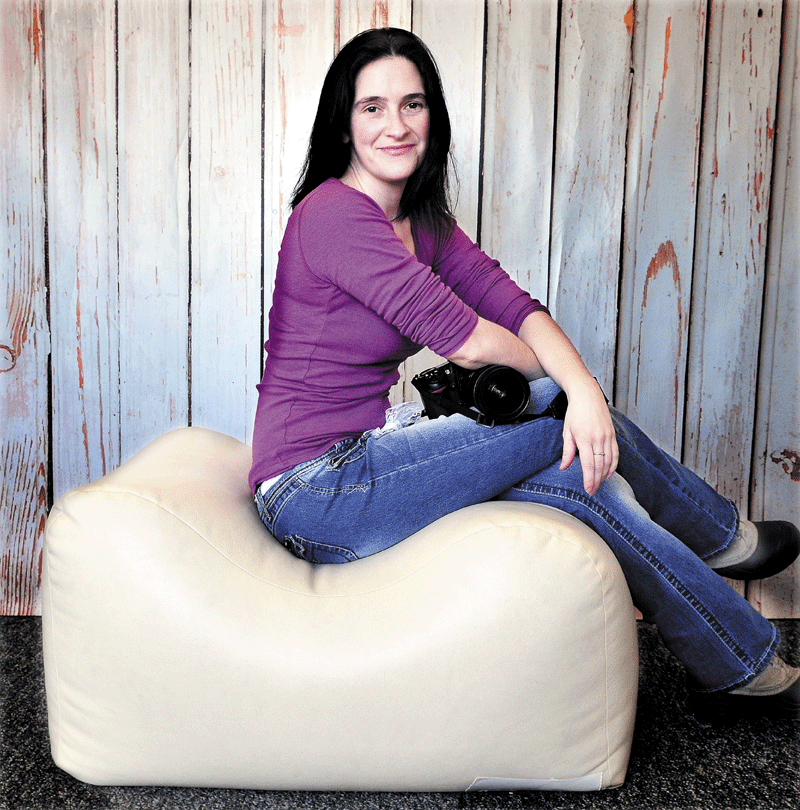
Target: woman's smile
397,151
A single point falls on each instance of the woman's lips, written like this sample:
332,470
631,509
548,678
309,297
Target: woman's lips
397,151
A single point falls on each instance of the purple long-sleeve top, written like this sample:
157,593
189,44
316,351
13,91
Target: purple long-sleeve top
350,305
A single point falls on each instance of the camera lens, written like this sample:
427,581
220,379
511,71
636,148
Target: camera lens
500,393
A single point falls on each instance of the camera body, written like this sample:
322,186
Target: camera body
501,394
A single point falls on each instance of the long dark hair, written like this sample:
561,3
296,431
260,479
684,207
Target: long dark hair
425,197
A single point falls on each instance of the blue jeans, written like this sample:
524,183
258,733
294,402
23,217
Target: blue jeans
659,519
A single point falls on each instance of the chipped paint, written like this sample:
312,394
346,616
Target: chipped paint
8,359
665,255
35,33
789,461
757,181
380,14
283,30
661,92
629,20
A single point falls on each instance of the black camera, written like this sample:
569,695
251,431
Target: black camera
499,393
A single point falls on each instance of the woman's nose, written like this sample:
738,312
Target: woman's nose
395,124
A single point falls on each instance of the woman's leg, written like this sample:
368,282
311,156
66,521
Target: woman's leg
721,639
672,495
660,519
369,493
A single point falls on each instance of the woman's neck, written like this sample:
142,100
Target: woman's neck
386,195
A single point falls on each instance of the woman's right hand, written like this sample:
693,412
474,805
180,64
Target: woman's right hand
589,434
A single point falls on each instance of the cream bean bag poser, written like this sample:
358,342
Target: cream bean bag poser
183,645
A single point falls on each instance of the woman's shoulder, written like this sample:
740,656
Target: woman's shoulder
334,198
335,211
440,244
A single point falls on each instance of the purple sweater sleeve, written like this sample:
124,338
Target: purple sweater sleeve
478,279
354,248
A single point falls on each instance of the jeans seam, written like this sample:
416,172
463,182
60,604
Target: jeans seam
664,572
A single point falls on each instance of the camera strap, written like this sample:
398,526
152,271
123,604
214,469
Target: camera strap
555,410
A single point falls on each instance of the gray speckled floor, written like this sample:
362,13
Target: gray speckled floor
676,764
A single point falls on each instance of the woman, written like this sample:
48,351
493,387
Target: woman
371,268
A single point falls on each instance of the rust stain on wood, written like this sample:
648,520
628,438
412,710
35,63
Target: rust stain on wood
380,14
35,33
78,350
629,20
657,117
665,255
757,181
789,460
283,30
667,38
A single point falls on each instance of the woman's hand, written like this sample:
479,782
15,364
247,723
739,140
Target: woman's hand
588,429
589,434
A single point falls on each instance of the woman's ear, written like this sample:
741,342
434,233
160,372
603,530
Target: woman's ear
345,138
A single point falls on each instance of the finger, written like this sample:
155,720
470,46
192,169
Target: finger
569,452
597,470
593,475
611,458
612,467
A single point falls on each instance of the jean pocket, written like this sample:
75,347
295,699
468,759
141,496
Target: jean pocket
315,552
348,451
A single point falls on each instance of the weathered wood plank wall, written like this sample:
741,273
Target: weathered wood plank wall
630,165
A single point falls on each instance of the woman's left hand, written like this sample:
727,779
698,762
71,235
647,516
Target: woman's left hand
589,434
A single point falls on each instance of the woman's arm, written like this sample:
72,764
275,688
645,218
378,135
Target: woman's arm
490,343
588,429
542,349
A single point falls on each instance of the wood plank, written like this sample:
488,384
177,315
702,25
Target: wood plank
663,158
299,47
593,96
461,68
226,211
733,209
153,213
518,144
24,337
360,15
82,227
776,455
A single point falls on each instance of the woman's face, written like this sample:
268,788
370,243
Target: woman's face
388,125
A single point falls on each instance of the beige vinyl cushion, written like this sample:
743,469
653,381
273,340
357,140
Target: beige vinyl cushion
184,646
